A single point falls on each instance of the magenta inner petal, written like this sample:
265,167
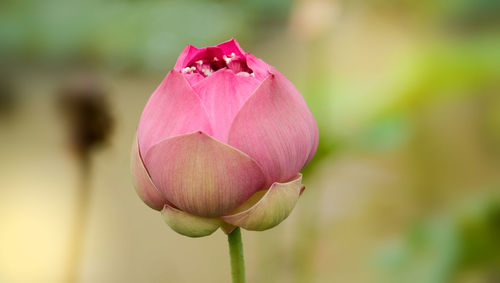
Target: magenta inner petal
209,60
231,46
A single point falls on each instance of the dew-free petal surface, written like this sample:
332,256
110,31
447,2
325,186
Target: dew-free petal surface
201,175
260,68
276,128
173,109
222,95
271,209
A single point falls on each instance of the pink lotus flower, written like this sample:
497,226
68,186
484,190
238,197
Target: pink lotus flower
221,142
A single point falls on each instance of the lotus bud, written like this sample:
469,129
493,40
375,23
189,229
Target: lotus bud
221,142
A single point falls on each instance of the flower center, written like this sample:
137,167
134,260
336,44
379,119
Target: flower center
207,66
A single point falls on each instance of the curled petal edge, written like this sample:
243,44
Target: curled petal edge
143,184
187,224
271,209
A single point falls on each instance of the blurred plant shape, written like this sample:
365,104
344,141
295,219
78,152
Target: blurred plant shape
7,96
470,15
312,19
83,103
479,232
445,248
426,254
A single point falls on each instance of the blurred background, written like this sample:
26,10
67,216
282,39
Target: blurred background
405,186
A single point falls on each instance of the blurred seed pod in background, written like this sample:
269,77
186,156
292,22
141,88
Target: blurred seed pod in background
83,102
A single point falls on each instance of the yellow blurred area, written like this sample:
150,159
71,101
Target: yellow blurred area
405,186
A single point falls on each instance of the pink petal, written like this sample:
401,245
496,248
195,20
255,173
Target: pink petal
201,175
189,225
173,109
222,95
264,212
142,182
276,128
260,68
186,55
231,46
191,53
193,78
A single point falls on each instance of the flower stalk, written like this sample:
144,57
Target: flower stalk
236,255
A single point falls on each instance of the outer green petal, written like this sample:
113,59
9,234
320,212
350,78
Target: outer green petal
271,209
187,224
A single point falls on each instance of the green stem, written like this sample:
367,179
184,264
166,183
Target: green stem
236,254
